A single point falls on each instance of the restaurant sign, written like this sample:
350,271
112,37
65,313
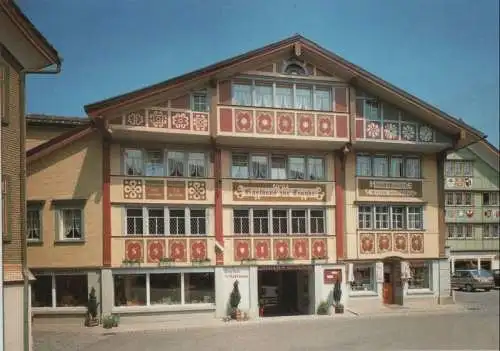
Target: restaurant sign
390,188
278,192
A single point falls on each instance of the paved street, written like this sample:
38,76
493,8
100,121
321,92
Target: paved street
474,329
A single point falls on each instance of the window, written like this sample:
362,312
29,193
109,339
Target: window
364,278
283,95
459,168
284,221
490,199
371,109
384,166
390,217
421,275
33,224
71,224
268,166
164,289
60,290
166,221
133,161
200,102
295,69
152,163
241,221
458,198
460,230
491,230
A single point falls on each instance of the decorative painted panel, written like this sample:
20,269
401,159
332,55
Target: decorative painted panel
281,249
417,243
369,187
319,248
198,249
300,249
242,249
168,120
384,242
262,122
155,250
134,250
278,192
262,249
400,242
390,243
177,250
367,243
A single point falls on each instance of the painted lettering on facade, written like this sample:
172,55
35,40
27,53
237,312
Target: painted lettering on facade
278,192
390,188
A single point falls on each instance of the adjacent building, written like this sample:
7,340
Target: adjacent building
23,50
472,207
284,169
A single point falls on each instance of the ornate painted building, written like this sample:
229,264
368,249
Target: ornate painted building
285,168
472,207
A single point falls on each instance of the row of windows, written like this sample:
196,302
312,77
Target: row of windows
69,224
466,230
393,217
464,198
159,163
459,168
388,166
165,221
266,166
278,221
283,95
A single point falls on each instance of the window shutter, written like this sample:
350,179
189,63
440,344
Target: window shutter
4,93
6,223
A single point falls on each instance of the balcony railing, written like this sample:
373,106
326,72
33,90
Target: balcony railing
166,120
269,122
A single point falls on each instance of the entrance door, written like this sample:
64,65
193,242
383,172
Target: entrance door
289,300
393,286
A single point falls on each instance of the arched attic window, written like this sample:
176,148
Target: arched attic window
295,69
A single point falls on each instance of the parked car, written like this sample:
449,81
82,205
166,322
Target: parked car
472,279
496,277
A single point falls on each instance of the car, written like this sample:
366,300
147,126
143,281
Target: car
472,279
496,277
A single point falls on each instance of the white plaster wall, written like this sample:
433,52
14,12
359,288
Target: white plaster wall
224,280
322,291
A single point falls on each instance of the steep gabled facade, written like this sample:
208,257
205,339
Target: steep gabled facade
285,169
472,207
23,50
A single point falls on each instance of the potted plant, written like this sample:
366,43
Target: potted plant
92,305
108,321
234,300
337,296
322,308
261,307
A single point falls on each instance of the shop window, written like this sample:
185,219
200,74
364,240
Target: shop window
71,290
364,278
199,288
41,291
165,289
130,289
421,275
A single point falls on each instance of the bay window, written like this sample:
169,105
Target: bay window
279,221
390,217
146,289
156,220
387,166
279,167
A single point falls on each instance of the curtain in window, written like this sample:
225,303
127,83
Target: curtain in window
363,166
263,96
72,224
297,167
413,168
284,97
303,98
133,162
196,164
154,163
259,167
380,166
242,94
397,167
239,168
315,168
323,99
278,167
175,164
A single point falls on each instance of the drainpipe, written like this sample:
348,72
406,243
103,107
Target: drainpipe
24,244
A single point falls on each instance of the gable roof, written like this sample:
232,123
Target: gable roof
30,31
352,73
488,153
55,121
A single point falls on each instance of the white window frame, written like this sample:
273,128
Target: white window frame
60,225
492,196
363,224
460,231
54,292
374,285
269,156
251,84
416,291
459,168
269,211
193,102
187,220
148,304
388,170
240,218
489,230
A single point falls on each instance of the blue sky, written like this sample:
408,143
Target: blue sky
446,52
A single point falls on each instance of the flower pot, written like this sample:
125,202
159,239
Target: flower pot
339,308
261,312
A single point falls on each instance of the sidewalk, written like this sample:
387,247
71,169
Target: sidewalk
178,323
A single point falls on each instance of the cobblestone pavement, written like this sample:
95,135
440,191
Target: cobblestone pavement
477,329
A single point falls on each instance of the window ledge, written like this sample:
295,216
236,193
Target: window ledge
35,243
69,242
417,292
164,308
58,310
363,294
